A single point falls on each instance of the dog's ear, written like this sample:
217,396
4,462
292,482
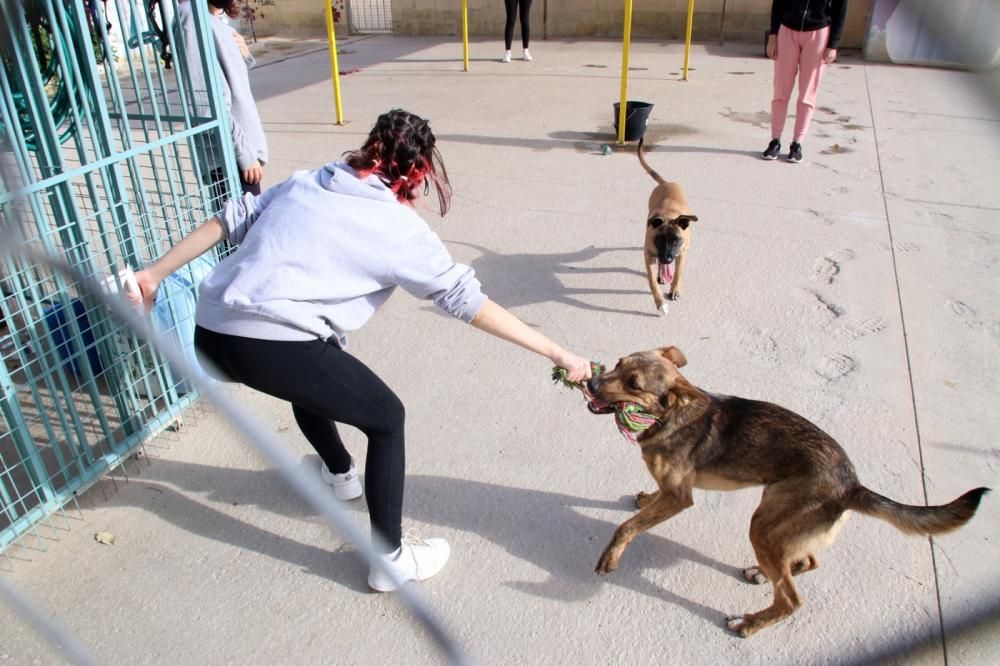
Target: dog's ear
674,355
684,221
655,222
677,396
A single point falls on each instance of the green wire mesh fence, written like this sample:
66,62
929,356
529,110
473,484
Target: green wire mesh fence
105,139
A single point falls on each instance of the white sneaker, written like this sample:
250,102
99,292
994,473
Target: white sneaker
416,559
346,486
506,57
527,55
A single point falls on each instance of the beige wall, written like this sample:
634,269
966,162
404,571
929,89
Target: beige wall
294,17
746,20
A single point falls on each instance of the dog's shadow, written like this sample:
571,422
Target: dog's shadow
514,280
553,532
549,530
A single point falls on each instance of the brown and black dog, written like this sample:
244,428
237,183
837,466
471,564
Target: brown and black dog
718,442
668,236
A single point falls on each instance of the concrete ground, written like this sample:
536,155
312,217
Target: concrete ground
858,288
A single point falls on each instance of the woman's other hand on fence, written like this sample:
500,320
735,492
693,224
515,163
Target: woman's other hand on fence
147,288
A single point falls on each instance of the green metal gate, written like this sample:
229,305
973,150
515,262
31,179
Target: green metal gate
99,143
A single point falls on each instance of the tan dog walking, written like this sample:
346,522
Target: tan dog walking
668,236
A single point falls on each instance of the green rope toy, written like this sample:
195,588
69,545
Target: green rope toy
631,418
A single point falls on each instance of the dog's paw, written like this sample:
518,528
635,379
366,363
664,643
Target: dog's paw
663,308
674,295
643,499
754,575
606,564
739,625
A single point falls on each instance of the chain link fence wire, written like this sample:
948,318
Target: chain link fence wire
315,493
46,626
970,33
936,17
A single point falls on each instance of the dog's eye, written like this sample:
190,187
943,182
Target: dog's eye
633,383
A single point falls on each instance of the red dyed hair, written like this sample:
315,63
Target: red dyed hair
401,151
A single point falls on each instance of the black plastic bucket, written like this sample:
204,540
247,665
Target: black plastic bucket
636,117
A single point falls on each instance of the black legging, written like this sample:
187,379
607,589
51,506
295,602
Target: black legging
513,7
325,385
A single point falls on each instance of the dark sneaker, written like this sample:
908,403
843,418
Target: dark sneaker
795,152
772,151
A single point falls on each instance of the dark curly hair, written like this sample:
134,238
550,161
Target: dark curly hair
400,150
230,7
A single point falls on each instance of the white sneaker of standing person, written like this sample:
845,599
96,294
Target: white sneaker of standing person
506,57
346,486
527,55
416,559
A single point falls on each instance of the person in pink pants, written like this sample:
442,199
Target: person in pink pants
803,40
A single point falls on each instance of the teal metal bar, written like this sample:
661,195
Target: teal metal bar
42,185
108,175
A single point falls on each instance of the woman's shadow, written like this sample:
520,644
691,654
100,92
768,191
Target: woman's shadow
546,529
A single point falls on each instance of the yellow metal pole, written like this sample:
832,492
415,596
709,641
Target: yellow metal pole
465,34
334,70
687,39
626,45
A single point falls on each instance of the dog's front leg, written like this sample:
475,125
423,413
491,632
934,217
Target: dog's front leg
666,504
675,285
652,275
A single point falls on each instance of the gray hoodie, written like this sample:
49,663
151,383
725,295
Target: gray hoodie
320,253
247,132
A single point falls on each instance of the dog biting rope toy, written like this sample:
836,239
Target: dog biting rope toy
630,417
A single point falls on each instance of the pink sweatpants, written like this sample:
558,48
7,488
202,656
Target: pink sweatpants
798,53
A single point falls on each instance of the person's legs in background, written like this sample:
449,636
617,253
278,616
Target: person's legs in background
786,66
811,68
524,11
218,190
250,188
510,6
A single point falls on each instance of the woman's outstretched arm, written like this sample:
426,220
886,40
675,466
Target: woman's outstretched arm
498,322
196,243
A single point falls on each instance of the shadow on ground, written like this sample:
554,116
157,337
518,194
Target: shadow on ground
546,529
517,280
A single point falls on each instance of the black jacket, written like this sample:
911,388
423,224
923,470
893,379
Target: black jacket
806,15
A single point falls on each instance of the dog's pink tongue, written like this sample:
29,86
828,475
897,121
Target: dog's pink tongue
598,406
667,273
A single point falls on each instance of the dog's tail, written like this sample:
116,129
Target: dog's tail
922,520
642,160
